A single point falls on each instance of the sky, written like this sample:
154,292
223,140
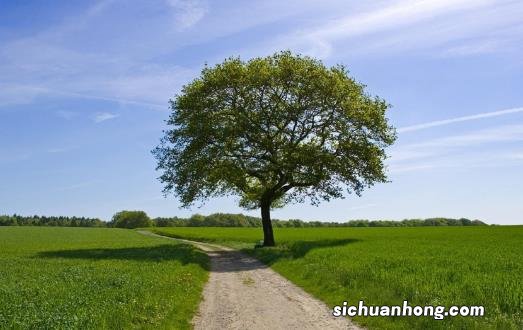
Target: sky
85,85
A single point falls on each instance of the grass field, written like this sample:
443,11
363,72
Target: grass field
96,278
384,266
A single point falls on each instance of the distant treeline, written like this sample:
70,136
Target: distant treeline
60,221
240,220
226,220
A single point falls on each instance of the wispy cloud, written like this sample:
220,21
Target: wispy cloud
67,115
469,160
504,133
72,187
459,119
14,94
432,147
397,14
460,150
11,156
361,207
456,27
59,150
49,63
516,155
125,68
188,12
103,116
473,48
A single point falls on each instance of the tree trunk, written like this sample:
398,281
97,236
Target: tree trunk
268,236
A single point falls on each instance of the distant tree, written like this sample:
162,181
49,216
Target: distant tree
8,221
197,220
131,219
273,130
169,222
241,220
35,220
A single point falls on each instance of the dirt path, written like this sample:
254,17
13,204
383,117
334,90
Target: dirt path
243,293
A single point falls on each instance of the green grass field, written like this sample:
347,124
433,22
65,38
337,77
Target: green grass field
384,266
96,278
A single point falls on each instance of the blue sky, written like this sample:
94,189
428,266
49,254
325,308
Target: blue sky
84,90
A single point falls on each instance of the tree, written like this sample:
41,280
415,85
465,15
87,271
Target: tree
131,219
273,130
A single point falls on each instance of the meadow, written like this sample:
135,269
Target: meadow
97,278
384,266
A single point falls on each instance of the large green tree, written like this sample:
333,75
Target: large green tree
273,130
131,219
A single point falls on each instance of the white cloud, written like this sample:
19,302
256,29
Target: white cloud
188,12
461,150
454,27
364,206
402,168
149,85
398,14
72,187
461,161
67,115
14,155
432,147
459,119
14,94
473,48
505,133
59,150
51,62
54,63
516,155
103,116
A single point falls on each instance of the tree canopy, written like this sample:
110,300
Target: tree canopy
131,219
273,130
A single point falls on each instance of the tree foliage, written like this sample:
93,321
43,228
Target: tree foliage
273,130
131,219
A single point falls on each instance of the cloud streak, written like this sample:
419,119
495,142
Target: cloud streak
464,161
188,12
362,207
103,116
459,120
447,27
59,150
72,187
461,151
399,14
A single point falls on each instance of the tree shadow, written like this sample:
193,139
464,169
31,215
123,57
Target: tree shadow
183,253
233,261
220,261
296,249
251,259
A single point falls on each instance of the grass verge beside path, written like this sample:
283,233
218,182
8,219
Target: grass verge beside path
384,266
97,278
